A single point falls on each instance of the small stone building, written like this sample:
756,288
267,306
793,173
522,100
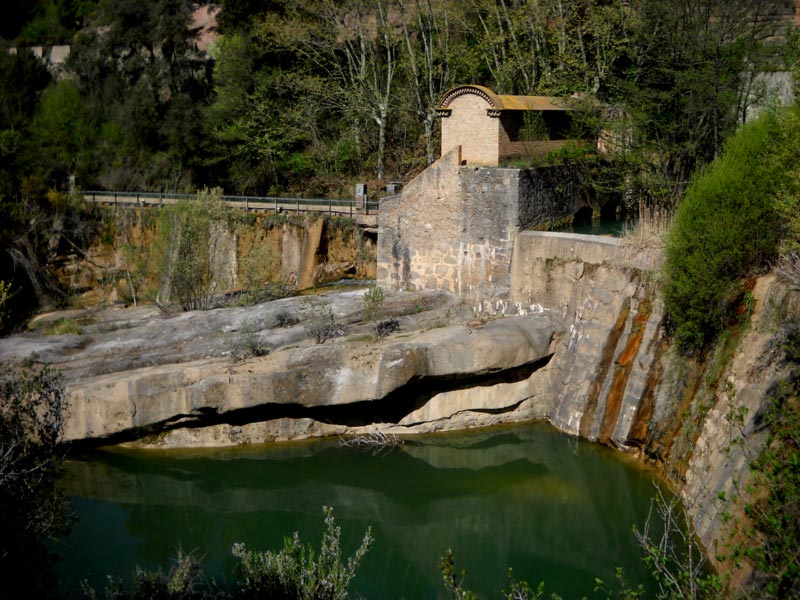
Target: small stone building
491,127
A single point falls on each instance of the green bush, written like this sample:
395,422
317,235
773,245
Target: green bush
296,572
373,303
187,249
62,326
726,227
32,411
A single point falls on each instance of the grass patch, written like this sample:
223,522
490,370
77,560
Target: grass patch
361,337
62,326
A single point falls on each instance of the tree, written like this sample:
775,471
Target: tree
726,227
144,81
353,47
24,78
33,406
687,81
62,135
430,64
552,46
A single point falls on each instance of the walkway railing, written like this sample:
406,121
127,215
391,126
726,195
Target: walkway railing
329,206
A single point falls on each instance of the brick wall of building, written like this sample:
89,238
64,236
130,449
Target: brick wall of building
471,128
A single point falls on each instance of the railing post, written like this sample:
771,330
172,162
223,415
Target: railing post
298,206
362,197
276,205
115,199
246,204
330,209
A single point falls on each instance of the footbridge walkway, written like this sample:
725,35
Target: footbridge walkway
362,211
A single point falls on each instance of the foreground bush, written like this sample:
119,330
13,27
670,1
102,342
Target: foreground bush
296,572
32,509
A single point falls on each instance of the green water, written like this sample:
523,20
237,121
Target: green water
551,507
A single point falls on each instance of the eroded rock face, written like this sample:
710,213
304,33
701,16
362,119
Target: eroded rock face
392,375
179,379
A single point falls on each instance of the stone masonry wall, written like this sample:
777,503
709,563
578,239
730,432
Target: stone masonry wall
451,229
454,227
604,295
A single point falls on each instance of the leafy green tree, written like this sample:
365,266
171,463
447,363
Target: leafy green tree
62,135
686,82
24,78
51,22
143,79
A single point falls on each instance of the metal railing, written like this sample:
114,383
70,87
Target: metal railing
351,207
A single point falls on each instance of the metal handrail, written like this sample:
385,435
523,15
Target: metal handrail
264,203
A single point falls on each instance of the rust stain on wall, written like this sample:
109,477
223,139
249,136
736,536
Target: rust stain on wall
606,360
622,371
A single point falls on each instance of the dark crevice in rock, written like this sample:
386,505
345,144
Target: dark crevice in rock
494,411
389,409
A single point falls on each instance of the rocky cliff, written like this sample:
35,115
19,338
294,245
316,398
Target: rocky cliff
247,251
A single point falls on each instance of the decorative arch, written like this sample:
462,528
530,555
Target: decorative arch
492,99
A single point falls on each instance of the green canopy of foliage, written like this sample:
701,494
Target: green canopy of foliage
737,214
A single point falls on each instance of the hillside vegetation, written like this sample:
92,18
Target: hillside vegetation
307,97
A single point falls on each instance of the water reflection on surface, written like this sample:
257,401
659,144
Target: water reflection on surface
551,507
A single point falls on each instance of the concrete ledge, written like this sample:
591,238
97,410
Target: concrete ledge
588,249
578,237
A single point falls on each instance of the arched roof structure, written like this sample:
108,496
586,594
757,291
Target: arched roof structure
501,102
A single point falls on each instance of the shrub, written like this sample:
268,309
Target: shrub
32,409
726,227
249,345
296,571
186,251
5,296
320,322
62,326
373,303
285,319
385,327
181,582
